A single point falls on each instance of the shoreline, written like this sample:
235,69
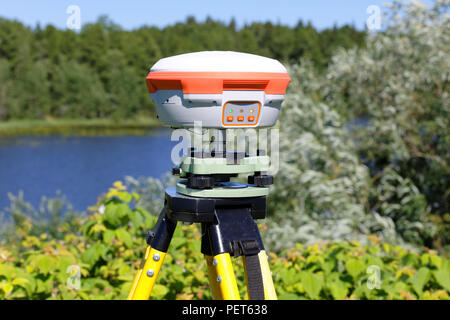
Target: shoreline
83,127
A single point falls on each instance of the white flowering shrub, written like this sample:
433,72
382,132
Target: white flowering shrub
365,146
399,85
151,191
321,188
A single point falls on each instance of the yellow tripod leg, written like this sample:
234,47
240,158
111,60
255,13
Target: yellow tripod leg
146,276
212,276
225,280
138,274
269,288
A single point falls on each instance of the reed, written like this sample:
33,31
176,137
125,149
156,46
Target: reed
83,127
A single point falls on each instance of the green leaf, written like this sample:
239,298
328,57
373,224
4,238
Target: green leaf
354,267
159,291
443,278
312,283
44,286
178,242
419,280
400,286
126,277
20,281
289,296
108,235
44,263
83,295
329,265
436,261
338,289
30,285
125,237
425,258
93,253
6,287
5,270
195,246
125,196
136,218
289,276
91,283
114,213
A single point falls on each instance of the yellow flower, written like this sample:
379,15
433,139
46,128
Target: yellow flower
405,270
406,295
119,186
373,239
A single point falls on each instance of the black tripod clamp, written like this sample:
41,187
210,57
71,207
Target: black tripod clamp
236,233
161,235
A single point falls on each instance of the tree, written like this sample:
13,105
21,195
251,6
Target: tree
5,84
78,92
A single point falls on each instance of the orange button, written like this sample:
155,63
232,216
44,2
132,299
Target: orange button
251,118
240,118
229,118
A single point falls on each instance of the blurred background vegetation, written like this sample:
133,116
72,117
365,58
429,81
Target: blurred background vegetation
364,152
99,71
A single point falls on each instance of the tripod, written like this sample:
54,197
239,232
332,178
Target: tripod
226,211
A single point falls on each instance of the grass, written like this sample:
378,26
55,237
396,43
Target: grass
84,127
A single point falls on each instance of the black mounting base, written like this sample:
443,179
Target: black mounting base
197,210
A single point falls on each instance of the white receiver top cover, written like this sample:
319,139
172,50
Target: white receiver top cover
218,61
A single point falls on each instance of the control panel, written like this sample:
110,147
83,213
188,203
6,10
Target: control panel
241,113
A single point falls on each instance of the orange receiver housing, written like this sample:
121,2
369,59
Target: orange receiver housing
217,82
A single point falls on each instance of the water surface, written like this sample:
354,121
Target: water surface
81,168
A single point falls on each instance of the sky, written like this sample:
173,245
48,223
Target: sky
132,14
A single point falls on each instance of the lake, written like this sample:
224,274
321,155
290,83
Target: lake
82,168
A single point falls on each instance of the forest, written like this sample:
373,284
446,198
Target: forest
99,72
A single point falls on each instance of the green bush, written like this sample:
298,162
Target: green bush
107,246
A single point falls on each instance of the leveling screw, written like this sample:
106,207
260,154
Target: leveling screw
156,257
150,273
215,262
219,279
